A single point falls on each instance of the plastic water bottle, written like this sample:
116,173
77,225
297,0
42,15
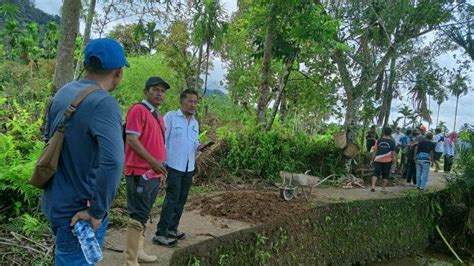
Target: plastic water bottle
89,244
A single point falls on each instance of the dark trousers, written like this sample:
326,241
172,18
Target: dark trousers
141,195
448,163
411,172
177,189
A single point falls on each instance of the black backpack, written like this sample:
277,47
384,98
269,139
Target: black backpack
155,115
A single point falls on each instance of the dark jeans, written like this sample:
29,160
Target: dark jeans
411,172
68,251
177,189
141,195
448,163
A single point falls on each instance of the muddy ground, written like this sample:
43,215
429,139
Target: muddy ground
251,206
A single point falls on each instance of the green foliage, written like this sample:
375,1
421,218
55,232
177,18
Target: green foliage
23,96
130,90
130,36
466,154
178,52
267,153
21,42
33,226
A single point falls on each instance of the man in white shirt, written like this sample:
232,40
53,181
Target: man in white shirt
397,137
439,150
182,144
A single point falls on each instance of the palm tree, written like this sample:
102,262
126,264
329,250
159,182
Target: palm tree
440,97
209,28
462,36
458,87
406,112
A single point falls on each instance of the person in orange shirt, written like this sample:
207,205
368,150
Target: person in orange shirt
384,157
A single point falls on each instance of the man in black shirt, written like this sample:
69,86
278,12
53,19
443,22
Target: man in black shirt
384,157
371,138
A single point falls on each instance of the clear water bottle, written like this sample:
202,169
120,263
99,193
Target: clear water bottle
89,244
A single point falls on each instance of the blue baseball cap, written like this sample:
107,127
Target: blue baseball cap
109,53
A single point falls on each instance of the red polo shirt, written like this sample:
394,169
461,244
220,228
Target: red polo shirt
141,122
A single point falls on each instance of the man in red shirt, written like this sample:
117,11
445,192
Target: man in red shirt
145,154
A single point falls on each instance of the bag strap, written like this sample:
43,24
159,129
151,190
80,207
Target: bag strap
156,116
82,95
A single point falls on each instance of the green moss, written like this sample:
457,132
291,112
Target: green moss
338,233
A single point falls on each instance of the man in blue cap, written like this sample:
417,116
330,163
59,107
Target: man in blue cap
92,156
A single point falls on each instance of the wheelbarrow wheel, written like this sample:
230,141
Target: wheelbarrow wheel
287,193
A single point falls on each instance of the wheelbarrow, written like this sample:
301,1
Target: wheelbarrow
292,181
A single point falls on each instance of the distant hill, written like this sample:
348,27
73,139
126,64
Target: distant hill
218,93
29,13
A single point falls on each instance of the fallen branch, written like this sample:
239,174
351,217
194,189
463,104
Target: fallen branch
19,246
19,237
447,244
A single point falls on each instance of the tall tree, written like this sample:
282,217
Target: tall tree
440,97
86,36
179,53
406,112
375,31
462,30
209,27
64,70
458,88
266,64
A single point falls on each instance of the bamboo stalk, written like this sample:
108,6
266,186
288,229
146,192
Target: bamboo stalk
447,244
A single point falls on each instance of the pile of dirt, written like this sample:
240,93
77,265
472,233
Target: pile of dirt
250,206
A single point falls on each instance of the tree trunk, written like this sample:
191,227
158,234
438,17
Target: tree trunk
281,88
64,70
437,116
456,113
352,118
429,110
283,107
378,85
391,80
267,59
86,37
198,68
383,109
207,69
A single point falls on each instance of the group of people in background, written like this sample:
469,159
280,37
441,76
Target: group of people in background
418,150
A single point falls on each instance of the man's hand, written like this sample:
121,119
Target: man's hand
159,168
84,215
163,181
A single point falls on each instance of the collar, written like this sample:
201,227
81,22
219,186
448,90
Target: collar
147,103
180,113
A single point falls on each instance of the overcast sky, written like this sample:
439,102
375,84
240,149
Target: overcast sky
465,110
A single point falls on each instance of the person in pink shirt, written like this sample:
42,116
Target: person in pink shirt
145,154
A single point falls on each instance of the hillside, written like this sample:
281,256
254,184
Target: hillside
29,13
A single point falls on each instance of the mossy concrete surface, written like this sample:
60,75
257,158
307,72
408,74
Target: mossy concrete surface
337,233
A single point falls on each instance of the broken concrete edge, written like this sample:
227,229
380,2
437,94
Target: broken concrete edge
336,233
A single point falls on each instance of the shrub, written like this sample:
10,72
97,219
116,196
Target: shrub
466,154
268,153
